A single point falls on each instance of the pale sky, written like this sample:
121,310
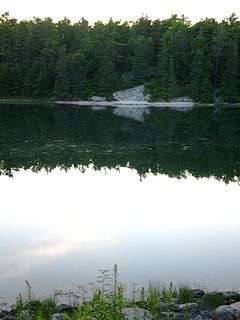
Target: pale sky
94,10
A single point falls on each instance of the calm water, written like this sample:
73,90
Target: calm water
155,191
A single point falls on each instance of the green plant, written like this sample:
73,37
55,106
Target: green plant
185,294
213,299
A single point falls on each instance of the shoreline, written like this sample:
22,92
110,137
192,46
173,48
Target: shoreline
128,103
152,303
24,101
114,103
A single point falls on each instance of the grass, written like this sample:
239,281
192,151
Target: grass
106,298
213,299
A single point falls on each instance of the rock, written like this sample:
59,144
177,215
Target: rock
57,316
8,317
188,306
171,315
132,94
226,312
206,313
134,313
198,293
4,313
97,99
163,306
24,315
134,113
13,309
235,305
182,99
63,308
231,296
198,317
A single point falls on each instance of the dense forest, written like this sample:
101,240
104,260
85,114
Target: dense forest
174,58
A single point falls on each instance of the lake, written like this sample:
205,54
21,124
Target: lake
154,190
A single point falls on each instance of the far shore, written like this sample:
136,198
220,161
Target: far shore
125,103
129,103
24,101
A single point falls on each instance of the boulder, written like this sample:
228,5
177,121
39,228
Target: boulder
171,315
25,315
172,306
235,305
4,313
226,312
188,307
63,308
97,99
231,296
57,316
198,317
132,94
7,317
198,293
134,313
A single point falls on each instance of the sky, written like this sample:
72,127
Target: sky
94,10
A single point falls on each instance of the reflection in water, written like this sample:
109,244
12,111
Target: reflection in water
62,227
134,113
166,141
58,228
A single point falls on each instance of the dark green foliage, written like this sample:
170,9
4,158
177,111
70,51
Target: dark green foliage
213,299
185,294
200,86
42,59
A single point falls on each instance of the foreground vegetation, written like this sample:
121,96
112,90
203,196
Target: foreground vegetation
107,299
40,58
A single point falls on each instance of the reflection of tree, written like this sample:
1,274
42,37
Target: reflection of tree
167,141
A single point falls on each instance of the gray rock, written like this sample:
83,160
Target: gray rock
134,313
4,313
132,94
163,306
63,308
57,316
206,313
13,309
231,296
188,306
226,312
182,99
235,305
198,317
97,99
24,315
171,316
8,317
198,293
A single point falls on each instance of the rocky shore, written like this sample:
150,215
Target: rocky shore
133,97
204,306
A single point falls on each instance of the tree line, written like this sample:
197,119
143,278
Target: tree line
40,58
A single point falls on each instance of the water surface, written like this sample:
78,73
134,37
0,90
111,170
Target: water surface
155,192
